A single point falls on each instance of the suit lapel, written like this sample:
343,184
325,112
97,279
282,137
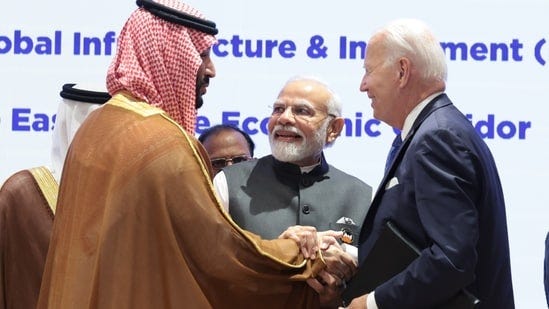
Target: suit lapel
438,102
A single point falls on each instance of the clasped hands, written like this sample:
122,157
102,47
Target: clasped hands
340,266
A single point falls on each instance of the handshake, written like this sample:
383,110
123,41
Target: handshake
340,264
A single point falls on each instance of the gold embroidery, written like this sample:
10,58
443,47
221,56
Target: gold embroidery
126,101
47,184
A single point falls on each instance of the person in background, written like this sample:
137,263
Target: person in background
442,189
138,223
295,186
78,101
226,145
27,204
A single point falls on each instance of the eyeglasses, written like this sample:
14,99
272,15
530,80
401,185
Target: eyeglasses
220,163
299,111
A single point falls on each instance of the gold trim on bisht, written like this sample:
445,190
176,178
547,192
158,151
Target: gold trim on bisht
47,184
125,100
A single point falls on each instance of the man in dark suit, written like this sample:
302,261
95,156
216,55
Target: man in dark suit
442,188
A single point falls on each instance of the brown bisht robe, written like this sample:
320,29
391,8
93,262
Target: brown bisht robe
138,226
27,204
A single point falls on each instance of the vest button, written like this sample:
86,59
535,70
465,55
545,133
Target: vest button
306,209
306,182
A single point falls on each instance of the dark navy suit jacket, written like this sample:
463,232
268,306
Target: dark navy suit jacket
444,192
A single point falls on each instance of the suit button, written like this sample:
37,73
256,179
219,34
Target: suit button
306,182
306,209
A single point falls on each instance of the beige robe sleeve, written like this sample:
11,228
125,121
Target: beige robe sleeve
139,226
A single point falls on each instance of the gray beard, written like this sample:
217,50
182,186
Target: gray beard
293,152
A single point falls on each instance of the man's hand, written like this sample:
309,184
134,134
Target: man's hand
329,238
306,238
328,287
309,240
358,303
339,263
329,283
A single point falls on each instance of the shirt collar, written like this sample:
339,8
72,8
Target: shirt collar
412,116
307,169
320,168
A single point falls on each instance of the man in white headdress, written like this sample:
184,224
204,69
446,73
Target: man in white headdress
27,204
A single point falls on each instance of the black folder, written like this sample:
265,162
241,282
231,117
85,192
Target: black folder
391,254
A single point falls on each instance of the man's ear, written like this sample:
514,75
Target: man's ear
404,71
334,129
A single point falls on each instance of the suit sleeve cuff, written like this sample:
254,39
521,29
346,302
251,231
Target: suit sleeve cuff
371,301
